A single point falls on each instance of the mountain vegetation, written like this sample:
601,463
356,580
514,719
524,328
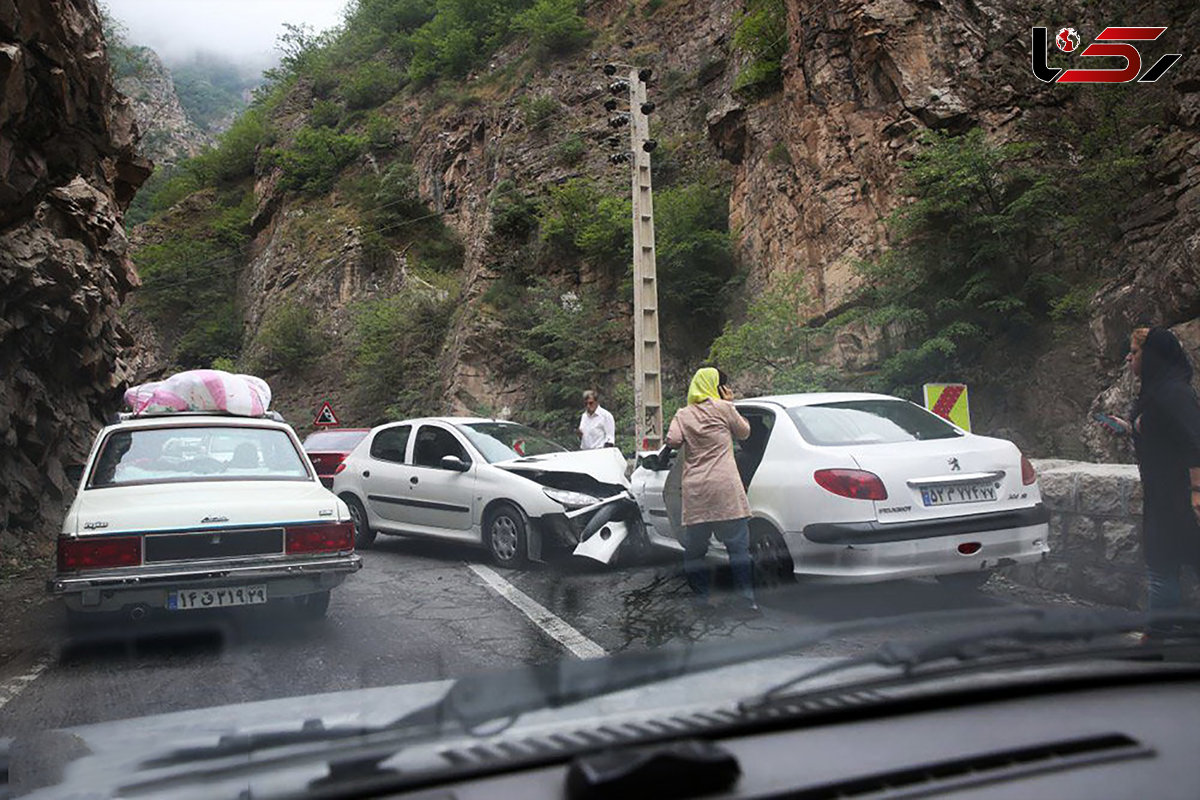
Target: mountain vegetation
988,251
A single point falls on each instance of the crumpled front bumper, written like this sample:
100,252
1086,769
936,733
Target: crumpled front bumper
597,531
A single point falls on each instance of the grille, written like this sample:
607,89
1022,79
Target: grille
203,545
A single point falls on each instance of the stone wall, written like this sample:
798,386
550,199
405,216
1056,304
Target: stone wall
1095,533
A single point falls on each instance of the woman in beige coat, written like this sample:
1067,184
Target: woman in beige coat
714,502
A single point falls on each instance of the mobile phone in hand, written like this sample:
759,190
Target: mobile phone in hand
1109,421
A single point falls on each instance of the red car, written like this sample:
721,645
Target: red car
327,448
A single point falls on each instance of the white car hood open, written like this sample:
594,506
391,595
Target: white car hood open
179,506
606,465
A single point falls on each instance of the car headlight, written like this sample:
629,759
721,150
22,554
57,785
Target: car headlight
570,499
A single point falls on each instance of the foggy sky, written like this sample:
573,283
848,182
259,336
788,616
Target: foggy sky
243,30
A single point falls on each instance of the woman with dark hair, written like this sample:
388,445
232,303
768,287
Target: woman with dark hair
1166,438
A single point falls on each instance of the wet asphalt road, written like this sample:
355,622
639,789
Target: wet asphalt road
417,611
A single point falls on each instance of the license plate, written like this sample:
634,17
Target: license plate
951,494
190,599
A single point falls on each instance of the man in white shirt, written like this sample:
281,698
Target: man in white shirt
596,426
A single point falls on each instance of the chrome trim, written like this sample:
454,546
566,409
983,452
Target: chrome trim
134,577
956,478
594,506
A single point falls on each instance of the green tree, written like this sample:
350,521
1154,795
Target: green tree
290,338
553,27
396,342
769,351
562,343
963,273
695,262
315,157
761,34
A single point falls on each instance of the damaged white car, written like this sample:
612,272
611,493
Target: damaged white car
490,482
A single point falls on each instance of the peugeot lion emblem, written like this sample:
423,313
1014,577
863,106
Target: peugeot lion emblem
953,462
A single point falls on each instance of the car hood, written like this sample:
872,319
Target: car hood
606,465
97,761
190,506
169,756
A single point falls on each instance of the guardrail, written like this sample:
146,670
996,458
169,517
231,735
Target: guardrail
1095,533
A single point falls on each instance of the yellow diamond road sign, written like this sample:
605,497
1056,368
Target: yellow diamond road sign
949,400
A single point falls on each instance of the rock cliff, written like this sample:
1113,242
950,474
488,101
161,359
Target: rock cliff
168,136
814,171
68,168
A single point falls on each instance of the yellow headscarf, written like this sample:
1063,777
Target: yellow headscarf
704,386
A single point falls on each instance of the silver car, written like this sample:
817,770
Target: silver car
489,482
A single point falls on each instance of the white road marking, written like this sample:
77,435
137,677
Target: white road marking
14,686
554,626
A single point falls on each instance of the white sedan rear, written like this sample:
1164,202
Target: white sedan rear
867,487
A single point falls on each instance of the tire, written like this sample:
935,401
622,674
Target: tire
771,562
964,582
312,607
364,537
505,535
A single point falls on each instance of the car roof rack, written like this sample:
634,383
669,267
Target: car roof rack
129,416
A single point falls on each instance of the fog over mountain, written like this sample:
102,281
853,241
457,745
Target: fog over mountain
244,32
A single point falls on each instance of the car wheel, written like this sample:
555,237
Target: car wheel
364,537
964,582
772,563
312,607
504,533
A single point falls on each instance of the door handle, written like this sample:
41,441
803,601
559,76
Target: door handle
414,480
366,473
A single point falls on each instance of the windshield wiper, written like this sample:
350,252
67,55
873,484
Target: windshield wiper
1033,638
476,700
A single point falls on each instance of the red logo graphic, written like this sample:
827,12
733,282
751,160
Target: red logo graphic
1067,41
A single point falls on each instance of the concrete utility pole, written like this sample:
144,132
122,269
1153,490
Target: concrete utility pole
647,377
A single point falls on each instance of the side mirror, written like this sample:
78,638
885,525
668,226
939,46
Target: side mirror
454,463
74,473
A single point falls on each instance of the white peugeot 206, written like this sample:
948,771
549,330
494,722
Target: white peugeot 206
490,482
866,487
182,511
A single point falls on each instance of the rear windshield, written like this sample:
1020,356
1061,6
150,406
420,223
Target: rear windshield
184,454
333,441
869,422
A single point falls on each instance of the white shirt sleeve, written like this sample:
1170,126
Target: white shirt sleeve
610,428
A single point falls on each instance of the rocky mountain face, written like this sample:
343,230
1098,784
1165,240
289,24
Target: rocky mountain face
168,135
814,169
68,168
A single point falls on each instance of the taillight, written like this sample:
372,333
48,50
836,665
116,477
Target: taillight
322,538
338,469
99,553
1028,473
856,483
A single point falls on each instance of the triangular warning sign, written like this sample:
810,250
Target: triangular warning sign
325,416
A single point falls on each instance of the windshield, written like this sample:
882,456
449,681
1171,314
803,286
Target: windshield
353,348
186,454
869,422
333,441
502,441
